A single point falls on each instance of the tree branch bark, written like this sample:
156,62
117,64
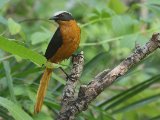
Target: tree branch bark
88,93
72,80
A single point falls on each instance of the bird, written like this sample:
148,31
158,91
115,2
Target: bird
62,45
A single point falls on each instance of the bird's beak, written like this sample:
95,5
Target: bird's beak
53,18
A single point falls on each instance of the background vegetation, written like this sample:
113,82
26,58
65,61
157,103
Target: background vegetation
110,29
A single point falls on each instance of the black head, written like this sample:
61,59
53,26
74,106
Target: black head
62,16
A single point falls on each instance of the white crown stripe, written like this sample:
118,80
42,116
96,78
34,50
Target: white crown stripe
60,12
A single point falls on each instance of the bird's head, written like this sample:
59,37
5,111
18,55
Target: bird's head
62,16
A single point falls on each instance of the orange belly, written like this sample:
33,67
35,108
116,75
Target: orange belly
71,39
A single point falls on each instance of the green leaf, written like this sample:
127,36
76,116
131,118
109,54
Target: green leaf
4,114
118,6
27,72
42,116
56,77
14,27
65,63
3,20
9,79
116,100
154,2
89,69
132,92
104,116
138,104
3,2
25,53
125,24
14,109
52,104
39,37
155,9
155,118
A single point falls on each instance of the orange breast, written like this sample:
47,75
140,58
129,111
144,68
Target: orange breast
71,38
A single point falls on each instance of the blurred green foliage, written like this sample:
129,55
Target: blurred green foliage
109,31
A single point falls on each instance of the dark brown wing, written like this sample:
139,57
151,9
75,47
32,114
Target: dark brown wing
54,44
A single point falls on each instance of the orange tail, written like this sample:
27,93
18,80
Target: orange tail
42,89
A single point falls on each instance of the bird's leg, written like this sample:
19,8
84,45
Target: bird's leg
74,57
64,71
67,76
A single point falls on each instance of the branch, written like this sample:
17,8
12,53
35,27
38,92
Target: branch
88,93
69,89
